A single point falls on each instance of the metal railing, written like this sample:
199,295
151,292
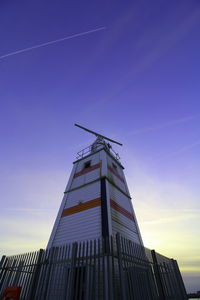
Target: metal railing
88,150
111,268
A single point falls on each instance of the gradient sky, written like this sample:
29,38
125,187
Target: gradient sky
137,81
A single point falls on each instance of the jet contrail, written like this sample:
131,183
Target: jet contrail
52,42
163,125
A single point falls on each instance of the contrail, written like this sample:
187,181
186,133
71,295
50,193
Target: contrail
163,125
179,151
52,42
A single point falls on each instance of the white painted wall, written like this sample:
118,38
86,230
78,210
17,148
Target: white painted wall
85,178
125,232
120,198
120,223
124,221
86,193
78,227
87,224
120,171
95,159
53,233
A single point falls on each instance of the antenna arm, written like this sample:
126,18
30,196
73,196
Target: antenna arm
97,134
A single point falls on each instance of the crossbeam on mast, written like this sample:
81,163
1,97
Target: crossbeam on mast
97,134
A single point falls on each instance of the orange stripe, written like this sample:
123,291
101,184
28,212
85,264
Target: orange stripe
87,170
115,173
122,210
81,207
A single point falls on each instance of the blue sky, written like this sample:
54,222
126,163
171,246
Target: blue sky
136,81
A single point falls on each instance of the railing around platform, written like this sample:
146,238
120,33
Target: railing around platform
111,268
92,148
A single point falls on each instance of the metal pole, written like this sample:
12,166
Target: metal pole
158,276
3,269
70,287
179,279
120,264
33,285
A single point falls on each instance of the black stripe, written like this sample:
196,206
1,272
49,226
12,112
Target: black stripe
104,210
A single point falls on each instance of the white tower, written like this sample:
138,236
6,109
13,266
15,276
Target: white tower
96,201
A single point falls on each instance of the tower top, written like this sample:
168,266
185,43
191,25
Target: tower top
98,144
98,135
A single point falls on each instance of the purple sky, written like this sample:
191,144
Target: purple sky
136,81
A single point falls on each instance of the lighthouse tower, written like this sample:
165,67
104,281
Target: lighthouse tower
96,201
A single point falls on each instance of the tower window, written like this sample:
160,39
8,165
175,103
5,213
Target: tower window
87,164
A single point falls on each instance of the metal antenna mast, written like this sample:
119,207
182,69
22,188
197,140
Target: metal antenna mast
98,135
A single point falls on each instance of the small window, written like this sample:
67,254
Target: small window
114,167
87,164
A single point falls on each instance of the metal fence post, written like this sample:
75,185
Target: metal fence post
35,278
105,262
179,279
70,286
120,264
109,267
158,276
2,263
2,270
